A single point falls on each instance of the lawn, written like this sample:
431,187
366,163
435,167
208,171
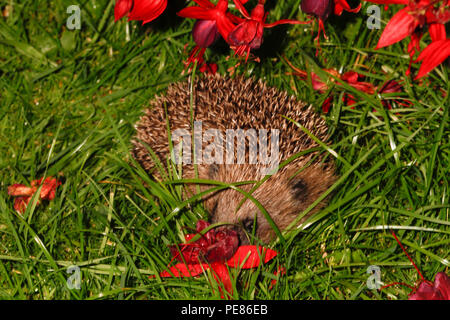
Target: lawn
69,100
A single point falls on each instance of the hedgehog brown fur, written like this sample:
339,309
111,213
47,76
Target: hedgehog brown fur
222,103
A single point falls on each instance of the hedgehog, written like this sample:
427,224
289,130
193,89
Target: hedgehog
218,104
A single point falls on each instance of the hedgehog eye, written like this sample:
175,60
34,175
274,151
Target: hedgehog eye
248,225
300,189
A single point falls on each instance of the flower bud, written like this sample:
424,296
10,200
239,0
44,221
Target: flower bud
122,8
319,8
205,33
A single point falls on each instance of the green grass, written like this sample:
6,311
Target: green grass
69,100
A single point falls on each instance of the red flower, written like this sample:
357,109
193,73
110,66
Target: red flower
319,8
145,10
439,290
249,33
409,21
216,251
205,33
401,25
432,56
427,290
213,246
210,68
24,193
322,9
209,11
351,77
121,8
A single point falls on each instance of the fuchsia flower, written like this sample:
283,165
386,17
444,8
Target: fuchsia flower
426,290
205,33
25,193
322,9
213,20
439,290
248,34
242,34
145,10
410,21
121,8
208,11
216,251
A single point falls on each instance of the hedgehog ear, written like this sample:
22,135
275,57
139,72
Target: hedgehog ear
299,189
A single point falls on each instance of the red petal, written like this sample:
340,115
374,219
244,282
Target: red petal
189,253
327,104
225,26
350,77
208,236
414,44
49,188
433,55
121,8
20,190
21,203
241,9
234,19
317,83
341,5
247,257
205,4
224,247
183,270
222,276
442,283
437,31
348,99
146,10
391,86
210,68
196,13
426,292
201,224
243,33
401,25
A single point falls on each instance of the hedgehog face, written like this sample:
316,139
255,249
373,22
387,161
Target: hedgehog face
284,196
